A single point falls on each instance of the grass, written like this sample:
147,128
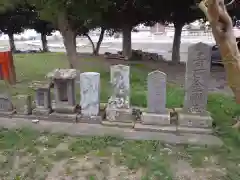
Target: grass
26,154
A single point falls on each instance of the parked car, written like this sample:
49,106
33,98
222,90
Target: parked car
216,56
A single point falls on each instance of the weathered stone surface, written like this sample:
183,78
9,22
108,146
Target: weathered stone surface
195,120
197,77
84,129
154,128
120,115
64,92
194,130
121,87
40,111
155,119
6,106
89,119
90,93
118,124
59,117
65,108
156,92
23,104
62,74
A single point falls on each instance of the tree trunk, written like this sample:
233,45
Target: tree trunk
100,39
11,42
222,30
176,43
44,42
69,39
93,46
127,42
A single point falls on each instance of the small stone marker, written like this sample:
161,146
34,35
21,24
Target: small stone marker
42,98
6,106
90,93
197,77
121,86
23,104
157,113
157,92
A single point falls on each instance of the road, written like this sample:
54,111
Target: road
158,44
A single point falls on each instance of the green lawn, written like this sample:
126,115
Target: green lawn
26,154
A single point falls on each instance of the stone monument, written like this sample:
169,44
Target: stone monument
23,106
118,109
6,106
64,94
156,114
194,113
90,97
42,99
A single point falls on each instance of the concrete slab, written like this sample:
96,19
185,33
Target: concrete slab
83,129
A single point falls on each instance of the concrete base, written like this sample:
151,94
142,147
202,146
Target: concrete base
29,117
194,120
64,108
155,119
154,128
89,120
62,117
7,114
83,129
41,112
119,115
118,124
194,130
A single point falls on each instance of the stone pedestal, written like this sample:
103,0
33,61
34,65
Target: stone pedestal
155,119
194,122
64,93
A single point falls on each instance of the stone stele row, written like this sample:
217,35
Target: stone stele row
192,118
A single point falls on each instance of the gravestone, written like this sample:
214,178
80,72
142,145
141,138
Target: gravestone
90,97
64,93
197,78
156,92
23,105
42,98
6,106
118,108
194,113
156,114
120,86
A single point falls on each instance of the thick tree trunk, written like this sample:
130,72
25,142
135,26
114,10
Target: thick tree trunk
127,41
100,39
93,46
11,42
69,39
176,43
44,42
222,29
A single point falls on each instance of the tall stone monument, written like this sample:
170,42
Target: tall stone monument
194,113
